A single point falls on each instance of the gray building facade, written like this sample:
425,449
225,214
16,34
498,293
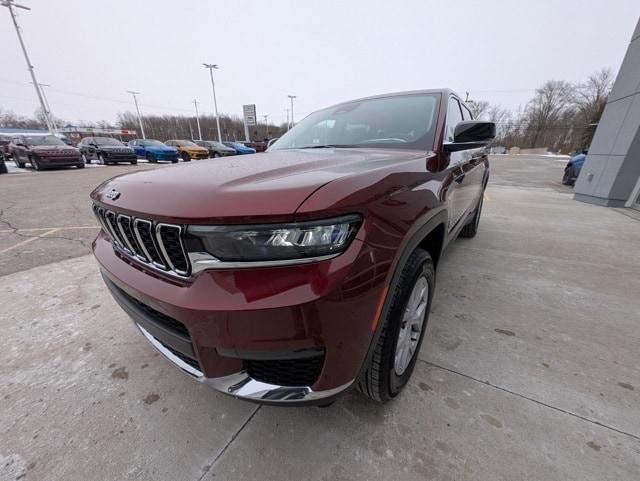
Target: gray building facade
610,175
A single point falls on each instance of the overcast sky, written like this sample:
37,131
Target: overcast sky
322,51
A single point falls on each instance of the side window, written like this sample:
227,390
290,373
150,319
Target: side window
454,116
466,112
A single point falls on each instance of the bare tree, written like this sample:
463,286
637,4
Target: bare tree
478,108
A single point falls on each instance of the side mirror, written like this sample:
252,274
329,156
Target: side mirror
471,134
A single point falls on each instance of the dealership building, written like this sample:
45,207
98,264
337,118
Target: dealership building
610,175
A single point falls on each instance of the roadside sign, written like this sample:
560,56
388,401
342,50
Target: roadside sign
249,112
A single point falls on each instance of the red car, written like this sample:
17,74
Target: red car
291,278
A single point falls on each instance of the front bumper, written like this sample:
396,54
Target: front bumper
231,320
59,161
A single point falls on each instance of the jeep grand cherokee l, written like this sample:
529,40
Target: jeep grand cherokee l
106,150
290,278
44,151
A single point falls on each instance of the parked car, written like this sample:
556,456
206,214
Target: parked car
4,147
573,168
216,149
153,150
257,145
43,151
293,279
240,148
187,149
106,150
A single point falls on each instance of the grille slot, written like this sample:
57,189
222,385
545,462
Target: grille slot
285,372
144,234
171,245
155,244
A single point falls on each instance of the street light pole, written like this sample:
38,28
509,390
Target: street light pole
266,126
291,97
135,100
195,102
212,66
46,103
10,4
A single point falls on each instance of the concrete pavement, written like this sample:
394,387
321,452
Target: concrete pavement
529,370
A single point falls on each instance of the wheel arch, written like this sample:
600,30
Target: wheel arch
430,236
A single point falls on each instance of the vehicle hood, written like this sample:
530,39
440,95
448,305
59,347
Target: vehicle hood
53,149
159,149
243,188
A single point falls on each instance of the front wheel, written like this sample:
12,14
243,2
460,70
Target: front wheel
215,154
186,157
85,159
402,330
101,160
34,163
151,158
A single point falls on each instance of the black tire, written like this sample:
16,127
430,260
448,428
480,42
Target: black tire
34,163
3,166
380,381
215,154
134,162
101,160
567,178
85,159
80,166
151,158
17,161
471,229
186,157
174,161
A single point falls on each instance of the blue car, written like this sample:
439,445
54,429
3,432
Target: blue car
240,148
153,150
573,168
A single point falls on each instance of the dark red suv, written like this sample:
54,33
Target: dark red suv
290,278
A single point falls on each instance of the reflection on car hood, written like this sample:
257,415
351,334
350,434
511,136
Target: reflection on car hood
241,187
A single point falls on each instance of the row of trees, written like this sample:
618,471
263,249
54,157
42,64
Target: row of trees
165,127
562,116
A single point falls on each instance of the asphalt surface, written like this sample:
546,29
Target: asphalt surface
529,369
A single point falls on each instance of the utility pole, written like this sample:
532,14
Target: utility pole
195,102
211,67
291,97
266,126
287,111
46,103
135,100
10,4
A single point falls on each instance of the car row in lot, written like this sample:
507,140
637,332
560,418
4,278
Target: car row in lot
43,151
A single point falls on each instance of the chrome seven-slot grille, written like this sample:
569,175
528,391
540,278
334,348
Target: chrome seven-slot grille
153,243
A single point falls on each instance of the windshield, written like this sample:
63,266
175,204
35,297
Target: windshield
399,122
43,140
106,141
151,142
187,143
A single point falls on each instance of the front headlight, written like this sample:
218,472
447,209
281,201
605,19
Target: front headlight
274,242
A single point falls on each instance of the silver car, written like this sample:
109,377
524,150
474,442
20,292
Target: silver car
216,149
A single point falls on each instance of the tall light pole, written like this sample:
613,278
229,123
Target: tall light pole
212,66
135,100
46,103
287,111
291,97
10,4
266,126
195,102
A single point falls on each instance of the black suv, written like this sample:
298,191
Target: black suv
106,150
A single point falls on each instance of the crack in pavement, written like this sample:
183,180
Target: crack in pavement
522,396
207,469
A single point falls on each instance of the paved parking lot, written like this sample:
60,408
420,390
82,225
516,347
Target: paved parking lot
529,369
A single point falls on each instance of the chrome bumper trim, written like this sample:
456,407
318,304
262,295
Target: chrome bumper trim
242,386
